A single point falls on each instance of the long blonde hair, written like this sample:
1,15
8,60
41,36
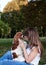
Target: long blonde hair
33,37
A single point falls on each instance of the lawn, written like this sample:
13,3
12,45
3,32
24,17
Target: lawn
5,45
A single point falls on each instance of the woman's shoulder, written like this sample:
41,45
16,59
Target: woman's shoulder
35,48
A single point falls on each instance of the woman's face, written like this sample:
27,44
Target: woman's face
26,38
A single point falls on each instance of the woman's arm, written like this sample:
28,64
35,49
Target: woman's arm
32,54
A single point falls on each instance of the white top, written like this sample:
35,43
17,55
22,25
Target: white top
36,60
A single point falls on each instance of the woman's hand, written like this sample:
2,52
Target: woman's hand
21,43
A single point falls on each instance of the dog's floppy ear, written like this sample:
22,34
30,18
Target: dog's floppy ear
14,46
16,41
17,35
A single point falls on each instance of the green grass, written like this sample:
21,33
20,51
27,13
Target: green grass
43,59
5,45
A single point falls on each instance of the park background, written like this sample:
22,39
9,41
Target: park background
18,15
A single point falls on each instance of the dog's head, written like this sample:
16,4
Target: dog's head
17,36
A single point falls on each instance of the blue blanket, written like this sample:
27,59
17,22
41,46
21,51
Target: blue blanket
11,62
6,59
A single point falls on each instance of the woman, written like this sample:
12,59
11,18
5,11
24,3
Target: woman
35,49
33,52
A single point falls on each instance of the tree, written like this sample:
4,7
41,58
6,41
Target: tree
15,19
14,5
4,29
11,6
33,14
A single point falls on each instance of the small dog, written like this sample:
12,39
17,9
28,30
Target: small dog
16,50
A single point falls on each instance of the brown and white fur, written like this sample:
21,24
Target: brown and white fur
16,50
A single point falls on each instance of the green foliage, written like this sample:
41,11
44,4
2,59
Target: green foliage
4,29
35,13
32,15
15,20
